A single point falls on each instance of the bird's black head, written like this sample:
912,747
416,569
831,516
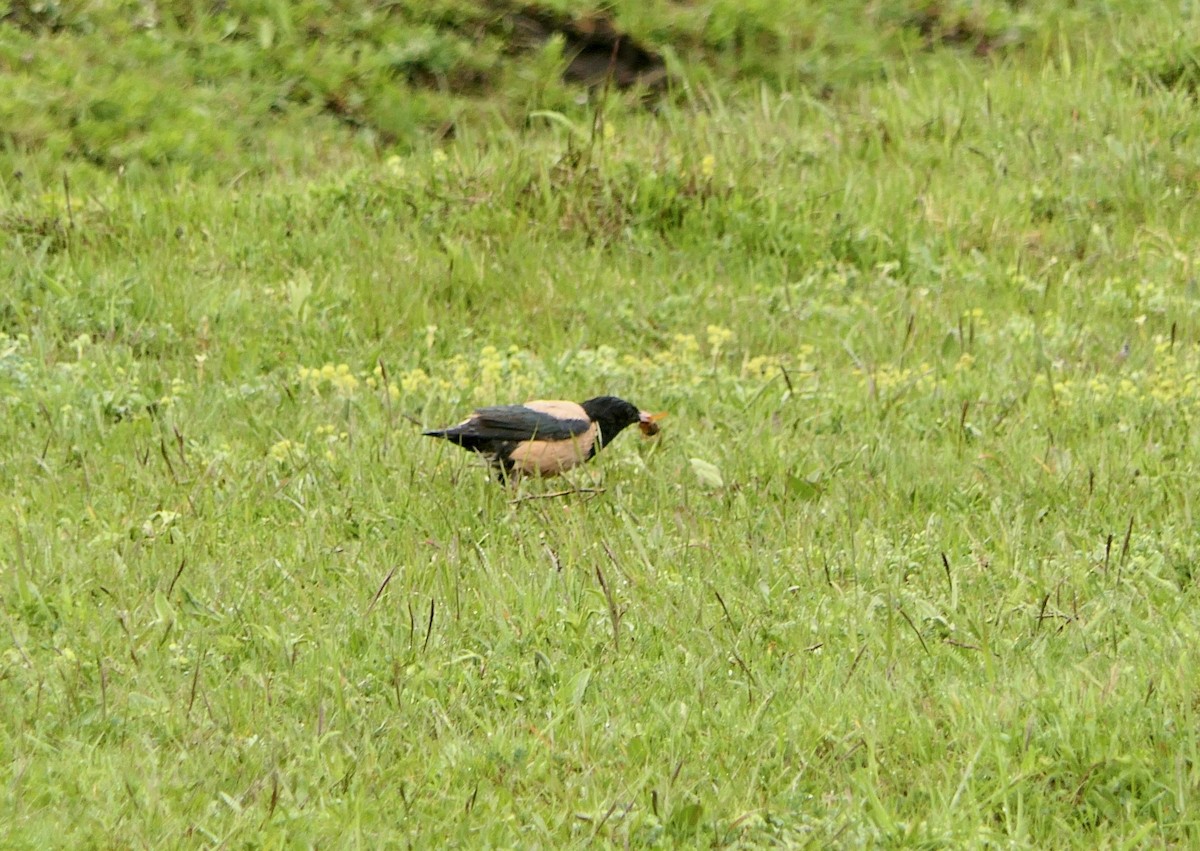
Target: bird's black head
612,415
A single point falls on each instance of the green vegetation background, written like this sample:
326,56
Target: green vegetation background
913,562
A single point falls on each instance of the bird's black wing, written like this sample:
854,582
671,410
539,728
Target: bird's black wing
515,423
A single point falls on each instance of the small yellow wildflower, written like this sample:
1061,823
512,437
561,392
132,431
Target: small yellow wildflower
717,338
708,166
80,343
761,366
286,450
685,343
345,383
413,381
888,376
460,372
1165,390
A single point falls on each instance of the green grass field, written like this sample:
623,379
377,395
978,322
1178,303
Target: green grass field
912,564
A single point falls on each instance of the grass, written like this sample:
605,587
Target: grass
912,564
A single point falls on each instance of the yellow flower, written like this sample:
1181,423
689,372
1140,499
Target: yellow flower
345,384
286,450
83,341
761,366
717,338
461,374
708,166
413,381
685,343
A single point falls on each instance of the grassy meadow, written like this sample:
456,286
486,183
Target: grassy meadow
912,564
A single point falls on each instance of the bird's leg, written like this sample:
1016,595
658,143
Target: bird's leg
507,474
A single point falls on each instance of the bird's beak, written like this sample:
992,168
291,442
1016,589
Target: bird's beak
648,422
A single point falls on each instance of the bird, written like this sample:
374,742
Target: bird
545,437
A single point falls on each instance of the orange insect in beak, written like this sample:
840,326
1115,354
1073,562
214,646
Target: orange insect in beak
648,422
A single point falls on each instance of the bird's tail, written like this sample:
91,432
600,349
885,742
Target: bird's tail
467,441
